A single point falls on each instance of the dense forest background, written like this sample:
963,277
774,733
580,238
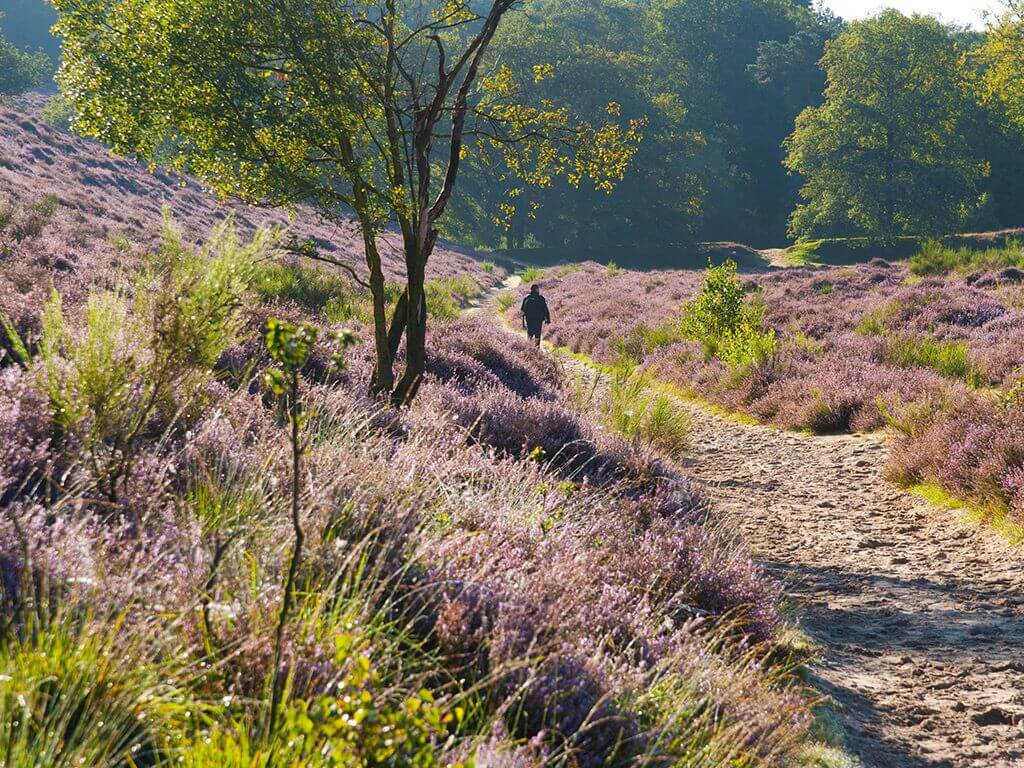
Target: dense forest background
764,121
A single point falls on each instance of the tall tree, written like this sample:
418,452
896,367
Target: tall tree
720,57
596,49
1003,58
347,106
888,152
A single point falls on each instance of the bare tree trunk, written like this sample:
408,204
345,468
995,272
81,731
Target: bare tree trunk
383,379
415,336
398,319
383,371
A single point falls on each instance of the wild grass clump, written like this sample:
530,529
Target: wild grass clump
637,410
643,340
950,359
532,274
81,691
506,300
934,258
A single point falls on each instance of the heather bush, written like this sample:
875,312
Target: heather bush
25,428
474,349
974,448
27,221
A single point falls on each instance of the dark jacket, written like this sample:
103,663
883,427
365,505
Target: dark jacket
535,310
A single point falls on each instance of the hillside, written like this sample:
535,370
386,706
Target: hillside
95,214
494,574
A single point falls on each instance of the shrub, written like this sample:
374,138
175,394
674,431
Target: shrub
21,71
137,363
725,324
57,112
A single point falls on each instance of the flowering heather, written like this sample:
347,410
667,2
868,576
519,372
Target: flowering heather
855,343
489,543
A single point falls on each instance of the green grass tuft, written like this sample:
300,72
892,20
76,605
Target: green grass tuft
936,259
947,358
532,274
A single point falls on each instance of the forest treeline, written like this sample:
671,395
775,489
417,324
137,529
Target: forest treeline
762,121
767,120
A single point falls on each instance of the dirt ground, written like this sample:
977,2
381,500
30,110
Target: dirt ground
918,613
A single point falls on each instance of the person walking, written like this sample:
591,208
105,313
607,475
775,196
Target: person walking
535,314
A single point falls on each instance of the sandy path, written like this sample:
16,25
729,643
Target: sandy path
919,615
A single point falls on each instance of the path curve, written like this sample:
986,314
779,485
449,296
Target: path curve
919,614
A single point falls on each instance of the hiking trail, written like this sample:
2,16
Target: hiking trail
918,614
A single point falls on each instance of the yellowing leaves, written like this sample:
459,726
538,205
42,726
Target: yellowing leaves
542,72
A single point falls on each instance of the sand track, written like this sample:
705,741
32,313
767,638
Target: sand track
919,614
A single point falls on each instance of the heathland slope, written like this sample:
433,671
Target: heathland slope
96,213
292,573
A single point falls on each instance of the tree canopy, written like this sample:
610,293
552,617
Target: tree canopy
348,107
749,120
889,151
1003,57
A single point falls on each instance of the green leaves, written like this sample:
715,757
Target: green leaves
290,346
727,326
1003,56
888,152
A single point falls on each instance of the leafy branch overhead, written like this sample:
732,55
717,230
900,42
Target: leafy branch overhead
348,107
